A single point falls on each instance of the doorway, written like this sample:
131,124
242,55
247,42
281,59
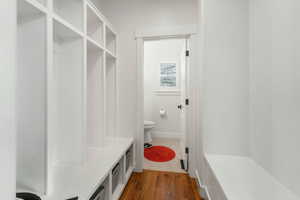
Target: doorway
165,64
189,33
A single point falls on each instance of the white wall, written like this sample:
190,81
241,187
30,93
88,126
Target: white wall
155,52
275,80
270,28
127,17
225,93
7,99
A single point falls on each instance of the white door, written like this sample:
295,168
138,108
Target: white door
184,100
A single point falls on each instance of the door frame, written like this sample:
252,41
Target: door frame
189,32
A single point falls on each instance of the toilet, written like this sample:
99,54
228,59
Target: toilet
148,126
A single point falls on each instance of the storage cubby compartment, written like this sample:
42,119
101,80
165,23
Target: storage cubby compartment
95,95
110,77
111,38
94,26
117,178
31,110
67,138
102,192
71,11
129,159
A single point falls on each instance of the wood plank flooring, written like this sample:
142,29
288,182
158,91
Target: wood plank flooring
156,185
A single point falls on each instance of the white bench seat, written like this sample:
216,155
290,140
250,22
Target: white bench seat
243,179
69,181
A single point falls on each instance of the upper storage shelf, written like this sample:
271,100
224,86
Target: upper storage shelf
27,11
63,33
94,26
110,41
71,11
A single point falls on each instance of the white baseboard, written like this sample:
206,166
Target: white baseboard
198,178
162,134
203,190
137,170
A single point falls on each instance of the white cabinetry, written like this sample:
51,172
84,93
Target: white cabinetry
67,101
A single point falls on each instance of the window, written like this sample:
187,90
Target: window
168,74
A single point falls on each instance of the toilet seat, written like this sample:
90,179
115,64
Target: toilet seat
148,126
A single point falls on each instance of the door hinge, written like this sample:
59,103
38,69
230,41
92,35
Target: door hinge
187,102
187,150
187,53
185,163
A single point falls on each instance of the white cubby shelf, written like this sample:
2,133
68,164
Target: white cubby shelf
29,8
95,94
71,11
95,26
94,43
67,58
110,40
68,94
110,90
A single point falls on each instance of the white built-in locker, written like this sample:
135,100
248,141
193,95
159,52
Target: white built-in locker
66,87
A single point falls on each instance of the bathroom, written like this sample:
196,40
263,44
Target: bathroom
164,109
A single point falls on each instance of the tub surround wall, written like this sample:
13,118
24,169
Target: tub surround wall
225,93
274,81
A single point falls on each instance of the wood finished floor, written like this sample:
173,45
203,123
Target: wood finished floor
156,185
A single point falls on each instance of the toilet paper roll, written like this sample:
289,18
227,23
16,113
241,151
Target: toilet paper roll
162,112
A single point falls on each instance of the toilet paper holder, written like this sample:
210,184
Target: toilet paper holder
162,112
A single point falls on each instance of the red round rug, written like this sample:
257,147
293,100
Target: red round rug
159,154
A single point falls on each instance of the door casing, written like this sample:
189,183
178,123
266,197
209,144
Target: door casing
188,32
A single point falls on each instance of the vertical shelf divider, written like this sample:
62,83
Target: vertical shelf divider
84,78
50,105
105,88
